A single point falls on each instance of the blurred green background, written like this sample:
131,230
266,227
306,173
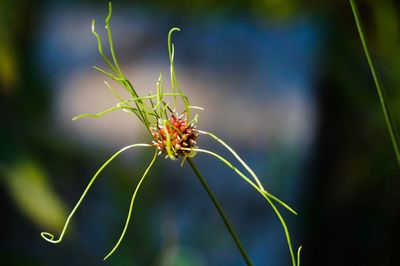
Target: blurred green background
285,82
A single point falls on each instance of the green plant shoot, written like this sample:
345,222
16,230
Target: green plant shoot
173,134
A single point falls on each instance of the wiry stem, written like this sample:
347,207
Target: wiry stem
236,156
262,190
130,207
298,255
174,80
277,212
220,211
50,237
378,82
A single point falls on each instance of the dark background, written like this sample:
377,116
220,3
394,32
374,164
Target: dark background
285,83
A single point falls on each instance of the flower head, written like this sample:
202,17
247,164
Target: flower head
171,136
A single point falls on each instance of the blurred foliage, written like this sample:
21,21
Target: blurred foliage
8,60
386,19
270,8
29,187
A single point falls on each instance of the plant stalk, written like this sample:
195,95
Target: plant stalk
220,211
378,82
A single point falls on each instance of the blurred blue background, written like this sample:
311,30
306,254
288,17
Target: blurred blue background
285,83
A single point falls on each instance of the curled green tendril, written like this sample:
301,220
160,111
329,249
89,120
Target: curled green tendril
50,237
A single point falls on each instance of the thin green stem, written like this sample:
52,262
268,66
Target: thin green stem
277,212
159,93
298,255
50,237
131,206
378,82
117,70
171,59
111,43
100,47
110,75
251,172
260,189
263,193
220,211
174,80
116,94
100,114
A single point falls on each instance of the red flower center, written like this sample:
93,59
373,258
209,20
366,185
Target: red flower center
175,134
